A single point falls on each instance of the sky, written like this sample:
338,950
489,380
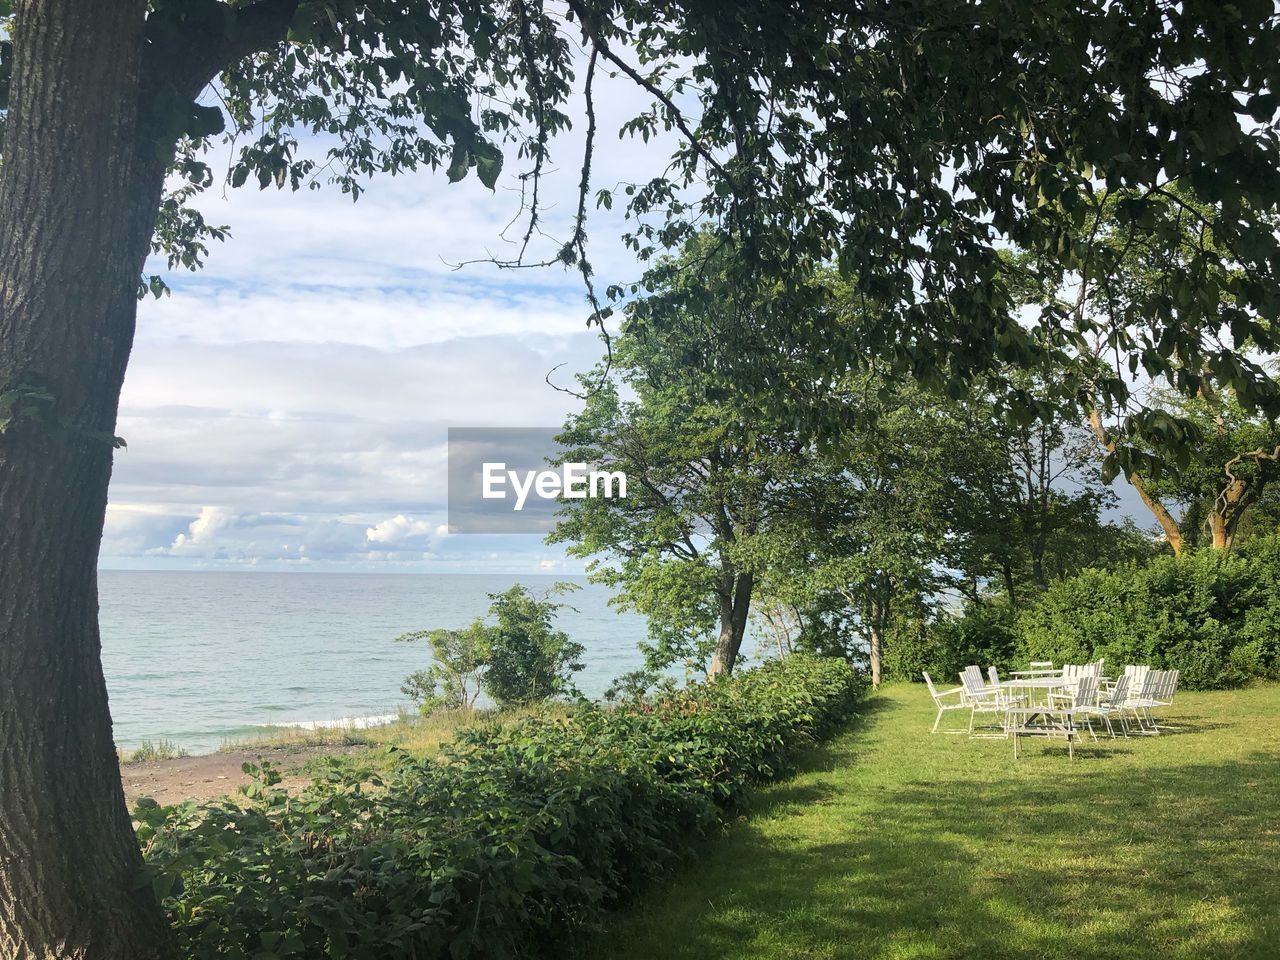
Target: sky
287,406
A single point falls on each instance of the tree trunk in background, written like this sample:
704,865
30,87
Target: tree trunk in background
1009,586
875,647
1170,526
1222,530
78,196
735,605
875,640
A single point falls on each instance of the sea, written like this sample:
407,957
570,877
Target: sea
204,658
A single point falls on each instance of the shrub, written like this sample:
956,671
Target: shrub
1214,617
984,634
529,660
510,839
152,750
518,660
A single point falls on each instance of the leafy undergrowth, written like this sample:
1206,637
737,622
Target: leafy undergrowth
895,844
418,735
503,844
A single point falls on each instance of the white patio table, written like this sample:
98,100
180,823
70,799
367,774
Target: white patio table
1042,721
1034,714
1047,684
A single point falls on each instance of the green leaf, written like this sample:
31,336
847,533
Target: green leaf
459,164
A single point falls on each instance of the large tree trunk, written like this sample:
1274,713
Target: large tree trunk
734,609
78,195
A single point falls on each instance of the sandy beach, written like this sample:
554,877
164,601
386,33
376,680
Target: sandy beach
213,775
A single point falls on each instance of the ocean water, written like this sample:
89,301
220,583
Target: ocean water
203,657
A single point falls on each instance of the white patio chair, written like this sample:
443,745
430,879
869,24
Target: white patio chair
1159,693
1109,705
1084,701
981,697
1040,665
1137,677
1003,694
1141,699
1071,674
942,704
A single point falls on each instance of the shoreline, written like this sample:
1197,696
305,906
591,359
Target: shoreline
208,776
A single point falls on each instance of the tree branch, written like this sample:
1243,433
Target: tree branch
186,56
673,112
1158,509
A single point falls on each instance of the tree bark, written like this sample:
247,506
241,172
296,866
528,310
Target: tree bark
1218,530
84,162
1009,586
78,197
1170,526
875,650
735,605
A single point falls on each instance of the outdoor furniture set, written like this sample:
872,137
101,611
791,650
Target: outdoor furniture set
1049,701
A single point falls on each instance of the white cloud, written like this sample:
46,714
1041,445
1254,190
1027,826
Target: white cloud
395,530
202,528
289,403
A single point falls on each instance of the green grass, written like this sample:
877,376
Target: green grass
150,750
412,733
892,843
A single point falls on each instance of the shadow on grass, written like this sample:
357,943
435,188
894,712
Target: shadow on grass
1173,860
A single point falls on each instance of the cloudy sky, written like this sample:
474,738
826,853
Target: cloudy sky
287,406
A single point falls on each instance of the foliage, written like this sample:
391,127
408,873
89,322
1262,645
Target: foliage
458,661
928,137
1193,437
636,688
528,659
1234,465
149,750
1029,499
514,838
518,659
983,633
1214,617
708,475
800,133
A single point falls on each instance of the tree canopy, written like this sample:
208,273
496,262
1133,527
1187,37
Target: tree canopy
907,145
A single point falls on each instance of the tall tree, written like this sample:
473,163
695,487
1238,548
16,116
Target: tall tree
907,142
1166,254
1236,462
707,473
1028,499
872,524
101,107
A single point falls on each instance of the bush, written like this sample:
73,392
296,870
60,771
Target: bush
497,848
1213,617
984,634
148,751
518,660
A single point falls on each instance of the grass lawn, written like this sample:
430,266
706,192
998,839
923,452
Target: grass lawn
892,843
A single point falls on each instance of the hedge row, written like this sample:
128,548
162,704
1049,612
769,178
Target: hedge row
510,839
1214,617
